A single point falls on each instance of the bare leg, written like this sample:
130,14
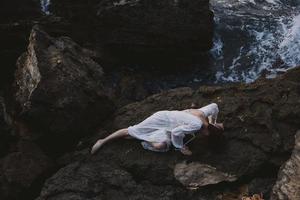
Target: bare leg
155,146
122,133
159,145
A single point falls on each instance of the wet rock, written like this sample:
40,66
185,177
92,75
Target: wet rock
22,172
195,175
259,118
288,182
58,91
143,31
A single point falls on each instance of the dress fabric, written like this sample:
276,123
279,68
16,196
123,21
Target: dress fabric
211,111
169,127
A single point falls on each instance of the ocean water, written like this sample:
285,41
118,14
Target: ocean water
254,38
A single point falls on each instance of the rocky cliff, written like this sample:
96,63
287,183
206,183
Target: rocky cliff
155,31
287,185
59,93
260,119
15,24
61,97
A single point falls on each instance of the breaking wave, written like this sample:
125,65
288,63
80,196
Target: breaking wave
255,37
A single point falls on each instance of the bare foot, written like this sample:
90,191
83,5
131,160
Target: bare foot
186,151
97,146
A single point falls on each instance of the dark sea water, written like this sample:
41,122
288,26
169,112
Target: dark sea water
252,37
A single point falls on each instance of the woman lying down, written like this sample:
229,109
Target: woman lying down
169,127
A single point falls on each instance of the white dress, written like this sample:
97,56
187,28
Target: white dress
170,127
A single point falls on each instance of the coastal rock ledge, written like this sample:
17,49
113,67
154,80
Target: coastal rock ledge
288,183
261,120
142,30
59,93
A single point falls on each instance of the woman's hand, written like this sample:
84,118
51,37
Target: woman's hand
204,131
186,151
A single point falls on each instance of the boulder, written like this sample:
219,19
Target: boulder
195,175
142,31
16,21
22,172
59,93
260,121
288,183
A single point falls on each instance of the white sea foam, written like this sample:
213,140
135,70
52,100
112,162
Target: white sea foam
217,48
247,1
45,6
275,2
289,48
272,45
125,2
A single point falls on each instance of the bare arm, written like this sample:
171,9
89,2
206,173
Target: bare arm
212,112
178,133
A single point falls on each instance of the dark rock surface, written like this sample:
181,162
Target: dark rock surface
261,185
288,182
260,122
127,87
5,130
12,10
17,18
61,96
142,30
16,21
194,175
58,91
23,171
